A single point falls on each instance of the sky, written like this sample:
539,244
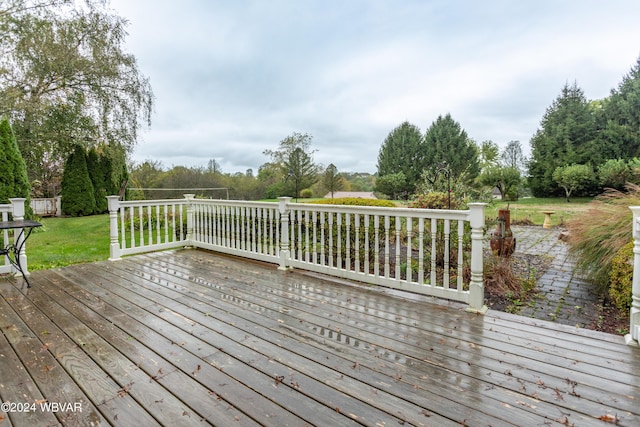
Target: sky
232,78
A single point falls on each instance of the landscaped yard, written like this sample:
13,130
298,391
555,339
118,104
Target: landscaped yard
529,211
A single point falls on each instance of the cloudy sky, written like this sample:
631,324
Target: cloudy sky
234,77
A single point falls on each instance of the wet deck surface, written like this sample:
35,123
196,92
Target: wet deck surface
194,338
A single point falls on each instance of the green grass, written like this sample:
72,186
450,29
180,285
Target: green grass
66,241
532,209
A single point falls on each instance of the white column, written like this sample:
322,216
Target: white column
114,246
284,253
476,285
18,210
190,218
634,317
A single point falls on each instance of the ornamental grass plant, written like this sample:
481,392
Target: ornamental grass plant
597,235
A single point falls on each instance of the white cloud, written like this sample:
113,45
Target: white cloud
234,78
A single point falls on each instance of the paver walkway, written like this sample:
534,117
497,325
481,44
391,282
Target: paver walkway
563,296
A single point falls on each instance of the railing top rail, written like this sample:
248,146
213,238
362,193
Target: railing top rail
152,202
6,208
378,210
244,203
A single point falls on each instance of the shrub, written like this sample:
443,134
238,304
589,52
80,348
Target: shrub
597,235
621,277
435,200
306,193
355,201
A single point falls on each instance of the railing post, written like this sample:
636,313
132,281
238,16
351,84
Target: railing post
285,254
633,336
476,285
114,246
190,218
17,208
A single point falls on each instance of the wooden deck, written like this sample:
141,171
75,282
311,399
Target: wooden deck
192,338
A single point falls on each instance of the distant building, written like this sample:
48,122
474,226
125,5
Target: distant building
353,194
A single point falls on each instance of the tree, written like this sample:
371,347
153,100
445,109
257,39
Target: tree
513,157
332,180
301,172
567,136
402,151
393,184
78,197
13,173
292,168
573,177
504,178
66,80
449,153
214,167
98,174
488,154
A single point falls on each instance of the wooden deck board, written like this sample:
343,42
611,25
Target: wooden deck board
193,338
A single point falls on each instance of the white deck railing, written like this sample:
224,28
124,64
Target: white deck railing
433,252
633,338
14,210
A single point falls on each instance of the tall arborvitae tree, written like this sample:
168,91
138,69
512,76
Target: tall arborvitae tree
567,136
449,151
402,152
98,175
78,197
13,172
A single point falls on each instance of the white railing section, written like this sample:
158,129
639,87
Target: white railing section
144,226
12,211
249,229
633,338
433,252
420,250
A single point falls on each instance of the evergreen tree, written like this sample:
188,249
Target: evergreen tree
291,168
402,152
448,151
332,180
300,171
98,172
78,197
567,136
621,117
13,172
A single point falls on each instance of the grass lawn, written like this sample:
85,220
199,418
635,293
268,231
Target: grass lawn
65,241
531,209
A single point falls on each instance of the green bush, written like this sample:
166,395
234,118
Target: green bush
435,200
621,277
355,201
307,193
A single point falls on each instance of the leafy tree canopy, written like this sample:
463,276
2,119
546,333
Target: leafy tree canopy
573,177
504,178
65,80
